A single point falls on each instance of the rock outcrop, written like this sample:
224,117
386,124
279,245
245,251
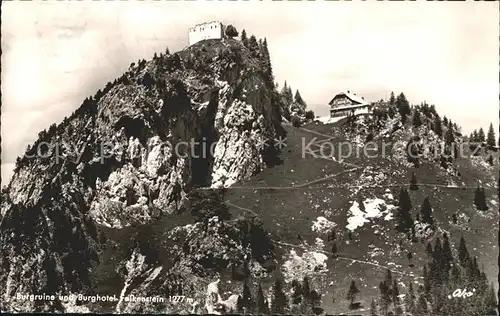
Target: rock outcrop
128,155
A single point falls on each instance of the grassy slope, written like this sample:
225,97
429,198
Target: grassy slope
288,212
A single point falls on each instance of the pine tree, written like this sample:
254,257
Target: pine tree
287,94
279,301
167,52
426,211
429,250
244,39
450,136
395,293
403,216
403,106
373,308
253,46
491,139
409,256
334,249
474,136
438,129
413,182
422,305
316,302
490,160
352,293
410,300
385,298
388,280
480,136
447,258
306,289
267,61
427,282
298,100
392,99
296,292
463,253
333,235
262,307
417,120
480,199
239,304
361,204
247,300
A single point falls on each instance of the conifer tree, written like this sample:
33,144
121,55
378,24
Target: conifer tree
361,204
385,298
334,249
253,46
463,253
413,182
438,129
417,120
388,280
279,301
429,250
410,300
244,39
422,308
352,293
395,293
450,136
287,94
490,138
298,100
267,61
306,289
316,302
409,256
447,254
427,282
333,235
480,199
426,211
403,106
456,275
296,293
247,301
490,160
480,136
403,216
474,136
373,308
262,307
392,99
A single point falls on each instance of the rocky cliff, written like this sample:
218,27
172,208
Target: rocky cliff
196,118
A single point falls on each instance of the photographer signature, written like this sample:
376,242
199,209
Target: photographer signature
462,293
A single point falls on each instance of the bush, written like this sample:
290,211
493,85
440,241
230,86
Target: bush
310,115
231,31
296,121
205,204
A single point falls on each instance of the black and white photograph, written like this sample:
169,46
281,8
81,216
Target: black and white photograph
250,157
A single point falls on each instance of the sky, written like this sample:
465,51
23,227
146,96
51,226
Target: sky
54,54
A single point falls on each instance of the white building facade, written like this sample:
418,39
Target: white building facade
203,31
347,104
